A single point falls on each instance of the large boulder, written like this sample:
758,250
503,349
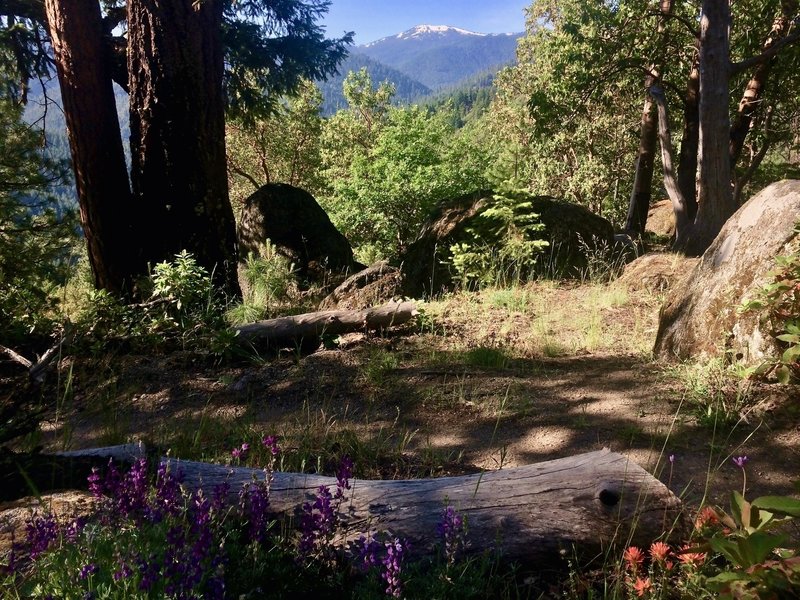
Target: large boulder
300,230
700,317
574,233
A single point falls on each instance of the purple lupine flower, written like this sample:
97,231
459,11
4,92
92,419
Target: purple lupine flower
129,492
451,530
40,532
271,443
392,567
343,475
113,480
88,570
74,529
148,572
367,553
168,497
740,461
95,483
316,522
123,572
256,504
220,496
240,452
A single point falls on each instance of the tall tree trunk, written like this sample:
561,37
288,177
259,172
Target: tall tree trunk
690,142
643,180
714,194
751,99
175,70
680,206
98,159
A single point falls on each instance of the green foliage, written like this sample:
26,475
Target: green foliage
761,564
565,117
504,245
779,304
184,308
268,281
389,166
271,47
283,147
37,233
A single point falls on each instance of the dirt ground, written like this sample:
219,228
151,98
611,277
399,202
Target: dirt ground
481,381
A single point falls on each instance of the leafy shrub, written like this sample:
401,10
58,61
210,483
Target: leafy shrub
183,307
504,246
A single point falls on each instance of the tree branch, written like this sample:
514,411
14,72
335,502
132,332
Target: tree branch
690,26
16,357
767,54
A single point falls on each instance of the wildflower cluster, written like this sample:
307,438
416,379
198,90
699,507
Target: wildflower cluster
452,533
318,520
733,555
151,539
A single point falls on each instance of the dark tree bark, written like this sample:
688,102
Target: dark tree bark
714,194
690,142
642,193
95,141
175,70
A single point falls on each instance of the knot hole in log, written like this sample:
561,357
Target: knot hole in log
609,494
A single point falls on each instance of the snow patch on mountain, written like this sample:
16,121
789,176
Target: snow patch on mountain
427,30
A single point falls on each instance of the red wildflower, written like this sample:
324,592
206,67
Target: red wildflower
642,586
691,559
633,557
706,517
659,551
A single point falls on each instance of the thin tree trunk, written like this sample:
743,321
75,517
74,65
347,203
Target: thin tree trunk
175,66
690,142
643,180
751,100
641,194
98,159
714,194
683,223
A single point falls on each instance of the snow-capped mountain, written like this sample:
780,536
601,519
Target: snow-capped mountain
440,56
420,31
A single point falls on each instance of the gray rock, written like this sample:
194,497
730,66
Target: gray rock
700,316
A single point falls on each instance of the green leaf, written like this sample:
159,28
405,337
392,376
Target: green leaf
740,510
779,504
757,547
783,374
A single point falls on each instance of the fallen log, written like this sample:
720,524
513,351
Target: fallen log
530,514
290,332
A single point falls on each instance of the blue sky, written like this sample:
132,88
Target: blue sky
374,19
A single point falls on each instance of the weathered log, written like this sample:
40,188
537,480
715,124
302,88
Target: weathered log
289,332
531,513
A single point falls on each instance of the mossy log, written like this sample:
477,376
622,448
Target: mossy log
530,514
295,331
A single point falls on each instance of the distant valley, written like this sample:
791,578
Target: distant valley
424,61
